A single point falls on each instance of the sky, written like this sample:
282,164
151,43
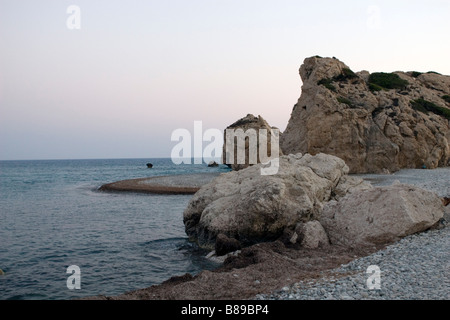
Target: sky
114,79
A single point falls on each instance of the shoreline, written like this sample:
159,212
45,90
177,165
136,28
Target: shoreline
272,270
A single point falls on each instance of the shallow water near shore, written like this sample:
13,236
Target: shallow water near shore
52,217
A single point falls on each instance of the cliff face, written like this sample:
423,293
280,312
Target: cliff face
374,122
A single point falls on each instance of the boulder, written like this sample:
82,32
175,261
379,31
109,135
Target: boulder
380,215
311,235
373,129
251,207
253,123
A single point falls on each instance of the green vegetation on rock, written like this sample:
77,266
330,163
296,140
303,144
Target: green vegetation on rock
425,106
346,74
327,83
373,87
344,100
387,81
446,98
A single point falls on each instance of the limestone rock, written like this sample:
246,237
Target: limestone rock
350,184
312,235
251,207
248,122
380,215
340,113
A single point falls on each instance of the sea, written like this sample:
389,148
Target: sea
53,217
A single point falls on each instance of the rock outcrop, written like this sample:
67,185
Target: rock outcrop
380,215
251,207
249,122
374,122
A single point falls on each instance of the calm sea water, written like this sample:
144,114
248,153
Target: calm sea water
52,217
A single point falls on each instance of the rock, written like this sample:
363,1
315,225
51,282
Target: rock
149,165
246,123
446,201
312,234
251,207
288,237
340,113
350,184
213,164
213,256
380,215
225,245
447,214
293,239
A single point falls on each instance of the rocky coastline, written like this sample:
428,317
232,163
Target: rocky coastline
364,167
376,122
282,270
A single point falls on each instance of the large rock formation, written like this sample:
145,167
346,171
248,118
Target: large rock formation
251,207
374,122
246,123
380,215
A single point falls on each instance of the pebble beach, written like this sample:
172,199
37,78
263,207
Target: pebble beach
415,268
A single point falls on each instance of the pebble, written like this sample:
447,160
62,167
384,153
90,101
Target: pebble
415,268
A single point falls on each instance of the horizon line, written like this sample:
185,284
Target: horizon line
75,159
69,159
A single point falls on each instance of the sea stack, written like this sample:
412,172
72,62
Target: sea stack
254,123
375,122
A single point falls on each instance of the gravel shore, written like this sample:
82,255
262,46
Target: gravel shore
415,268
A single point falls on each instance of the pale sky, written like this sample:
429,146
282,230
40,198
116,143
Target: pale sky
137,70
